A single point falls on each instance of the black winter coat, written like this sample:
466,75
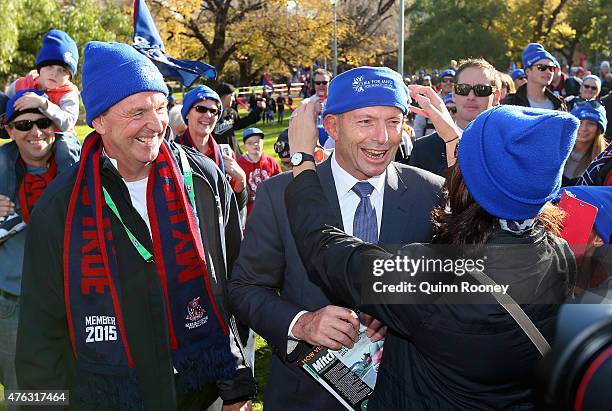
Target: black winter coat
437,356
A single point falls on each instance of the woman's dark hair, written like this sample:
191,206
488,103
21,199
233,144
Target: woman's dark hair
463,221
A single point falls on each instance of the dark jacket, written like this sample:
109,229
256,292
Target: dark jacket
429,153
520,98
269,284
44,358
438,356
230,120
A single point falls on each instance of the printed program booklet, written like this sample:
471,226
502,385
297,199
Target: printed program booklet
348,374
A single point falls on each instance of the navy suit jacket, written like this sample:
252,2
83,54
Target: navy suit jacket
269,284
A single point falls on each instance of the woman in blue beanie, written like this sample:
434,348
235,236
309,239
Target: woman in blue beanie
455,356
590,141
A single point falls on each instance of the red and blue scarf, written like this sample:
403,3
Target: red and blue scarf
32,187
92,287
215,151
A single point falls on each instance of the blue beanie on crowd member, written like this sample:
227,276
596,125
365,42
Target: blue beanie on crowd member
366,87
58,48
112,72
587,112
448,73
600,197
535,52
518,73
197,94
11,113
252,131
512,158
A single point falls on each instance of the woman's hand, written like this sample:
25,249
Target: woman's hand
432,107
235,172
6,206
303,134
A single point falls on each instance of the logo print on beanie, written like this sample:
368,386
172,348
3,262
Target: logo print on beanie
357,84
151,73
68,57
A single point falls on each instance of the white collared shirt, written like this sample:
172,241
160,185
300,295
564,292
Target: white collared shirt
349,200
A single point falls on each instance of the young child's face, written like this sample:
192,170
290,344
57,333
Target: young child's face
50,77
254,146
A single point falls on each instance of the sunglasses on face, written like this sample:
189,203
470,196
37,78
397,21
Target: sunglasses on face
321,83
586,86
204,109
544,67
521,78
447,80
281,146
26,125
480,90
452,110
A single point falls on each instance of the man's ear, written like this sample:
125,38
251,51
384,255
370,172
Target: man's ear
330,122
99,124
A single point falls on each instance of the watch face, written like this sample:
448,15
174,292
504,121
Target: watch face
296,159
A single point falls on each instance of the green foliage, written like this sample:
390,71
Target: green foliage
29,20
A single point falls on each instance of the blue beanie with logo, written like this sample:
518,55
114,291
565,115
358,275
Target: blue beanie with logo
512,158
448,73
535,52
58,48
586,111
197,94
112,72
600,197
11,113
366,87
517,73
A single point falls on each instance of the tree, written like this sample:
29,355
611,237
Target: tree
83,20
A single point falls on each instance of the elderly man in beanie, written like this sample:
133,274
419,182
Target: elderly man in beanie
373,197
28,164
125,263
539,66
230,120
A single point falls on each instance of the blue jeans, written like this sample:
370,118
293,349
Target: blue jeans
9,314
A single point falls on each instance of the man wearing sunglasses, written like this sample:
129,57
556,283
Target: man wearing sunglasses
477,88
589,91
321,79
27,166
539,67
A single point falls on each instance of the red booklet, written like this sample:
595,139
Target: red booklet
578,222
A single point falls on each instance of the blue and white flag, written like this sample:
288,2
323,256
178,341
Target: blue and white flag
148,42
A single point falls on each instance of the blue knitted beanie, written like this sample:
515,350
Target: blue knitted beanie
112,72
535,52
197,94
600,197
11,113
58,47
366,87
448,73
585,111
512,158
517,73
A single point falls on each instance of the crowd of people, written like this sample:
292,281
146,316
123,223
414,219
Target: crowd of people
136,267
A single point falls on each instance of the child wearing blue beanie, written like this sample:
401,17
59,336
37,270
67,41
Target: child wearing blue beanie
56,64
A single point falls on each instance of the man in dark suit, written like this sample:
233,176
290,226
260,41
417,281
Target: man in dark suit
429,152
269,288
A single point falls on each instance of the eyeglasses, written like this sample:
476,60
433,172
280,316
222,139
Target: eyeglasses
544,67
452,110
581,102
521,78
204,109
480,90
321,83
586,86
447,79
26,125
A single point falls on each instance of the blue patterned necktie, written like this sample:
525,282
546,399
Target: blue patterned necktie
365,226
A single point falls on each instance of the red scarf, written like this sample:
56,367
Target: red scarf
214,151
33,186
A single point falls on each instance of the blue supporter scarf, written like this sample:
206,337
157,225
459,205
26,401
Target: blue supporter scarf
92,287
